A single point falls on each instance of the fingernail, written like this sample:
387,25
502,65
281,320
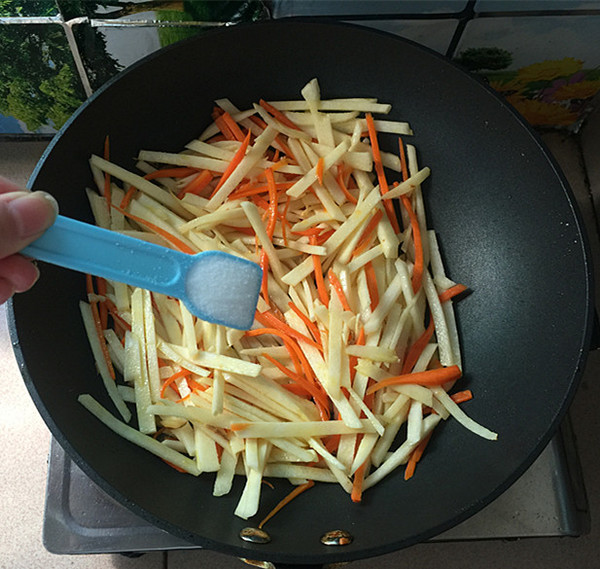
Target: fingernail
33,212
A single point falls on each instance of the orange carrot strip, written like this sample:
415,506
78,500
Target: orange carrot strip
181,172
315,393
178,468
101,285
237,158
343,186
372,285
417,276
198,184
430,377
452,292
416,457
128,197
114,312
177,375
403,165
363,241
195,386
295,492
319,169
158,230
462,396
383,185
269,319
222,124
272,202
314,329
417,348
319,280
98,326
322,237
357,483
278,114
264,284
238,426
233,126
337,286
287,342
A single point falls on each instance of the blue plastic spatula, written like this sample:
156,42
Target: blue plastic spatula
215,286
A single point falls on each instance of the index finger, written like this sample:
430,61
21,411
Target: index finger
7,186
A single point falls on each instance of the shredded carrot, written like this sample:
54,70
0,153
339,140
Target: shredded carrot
383,185
114,312
195,386
177,375
128,197
416,457
98,326
319,280
264,283
234,127
363,241
222,124
323,236
278,114
430,377
313,328
372,285
101,285
238,426
159,231
295,492
182,172
319,397
343,186
452,292
269,319
319,169
273,197
462,396
178,468
235,161
418,268
357,483
417,348
337,286
198,184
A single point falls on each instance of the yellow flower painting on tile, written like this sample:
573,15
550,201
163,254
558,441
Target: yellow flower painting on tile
550,93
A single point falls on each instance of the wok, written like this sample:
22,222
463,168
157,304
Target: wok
508,227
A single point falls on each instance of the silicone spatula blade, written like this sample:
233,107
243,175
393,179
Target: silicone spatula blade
215,286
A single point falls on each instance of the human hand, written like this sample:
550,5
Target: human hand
24,216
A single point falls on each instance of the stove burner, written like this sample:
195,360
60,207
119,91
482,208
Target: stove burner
547,501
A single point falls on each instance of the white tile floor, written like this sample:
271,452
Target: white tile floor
24,438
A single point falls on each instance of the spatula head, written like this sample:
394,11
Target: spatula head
223,289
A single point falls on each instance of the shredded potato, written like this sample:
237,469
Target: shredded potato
354,350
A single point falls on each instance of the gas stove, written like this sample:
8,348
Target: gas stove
549,500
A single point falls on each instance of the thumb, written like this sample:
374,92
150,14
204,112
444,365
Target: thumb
24,216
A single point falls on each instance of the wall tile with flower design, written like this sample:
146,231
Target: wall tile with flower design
547,67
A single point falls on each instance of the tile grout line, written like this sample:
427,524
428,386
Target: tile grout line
68,28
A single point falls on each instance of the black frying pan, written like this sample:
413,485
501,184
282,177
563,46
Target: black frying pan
508,227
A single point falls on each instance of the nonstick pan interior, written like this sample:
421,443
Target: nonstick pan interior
507,225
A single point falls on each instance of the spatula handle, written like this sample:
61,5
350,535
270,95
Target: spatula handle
100,252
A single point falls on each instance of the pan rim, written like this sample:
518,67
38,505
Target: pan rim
335,556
